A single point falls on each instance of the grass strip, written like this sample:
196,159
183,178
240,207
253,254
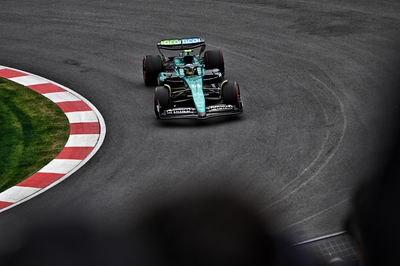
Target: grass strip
33,130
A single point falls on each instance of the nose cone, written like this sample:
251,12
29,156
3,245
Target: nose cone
201,114
195,83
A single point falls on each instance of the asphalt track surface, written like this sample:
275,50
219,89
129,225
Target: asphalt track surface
317,84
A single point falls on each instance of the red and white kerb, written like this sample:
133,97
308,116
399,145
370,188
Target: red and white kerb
87,132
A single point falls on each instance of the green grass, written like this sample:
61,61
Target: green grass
33,130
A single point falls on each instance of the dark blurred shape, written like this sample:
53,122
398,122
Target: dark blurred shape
207,229
64,241
60,244
374,221
213,229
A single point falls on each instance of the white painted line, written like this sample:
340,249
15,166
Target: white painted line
59,97
320,238
29,80
2,67
60,166
17,193
82,117
84,140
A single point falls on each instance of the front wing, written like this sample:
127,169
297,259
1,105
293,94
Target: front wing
191,112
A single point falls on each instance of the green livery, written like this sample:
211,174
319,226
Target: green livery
190,84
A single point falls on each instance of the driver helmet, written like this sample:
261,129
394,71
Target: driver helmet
186,53
189,69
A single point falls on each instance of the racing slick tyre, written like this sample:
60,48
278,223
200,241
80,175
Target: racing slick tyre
214,59
231,94
152,66
162,100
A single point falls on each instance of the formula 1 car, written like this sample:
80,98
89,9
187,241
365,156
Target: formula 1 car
190,85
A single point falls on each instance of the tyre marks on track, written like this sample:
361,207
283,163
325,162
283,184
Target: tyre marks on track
336,124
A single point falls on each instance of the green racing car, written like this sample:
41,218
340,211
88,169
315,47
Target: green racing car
190,85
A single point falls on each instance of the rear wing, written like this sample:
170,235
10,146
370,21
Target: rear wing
182,44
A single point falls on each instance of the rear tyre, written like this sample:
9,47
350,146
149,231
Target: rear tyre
162,100
152,66
214,59
231,94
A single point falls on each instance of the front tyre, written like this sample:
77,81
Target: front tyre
156,107
152,66
231,94
162,100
